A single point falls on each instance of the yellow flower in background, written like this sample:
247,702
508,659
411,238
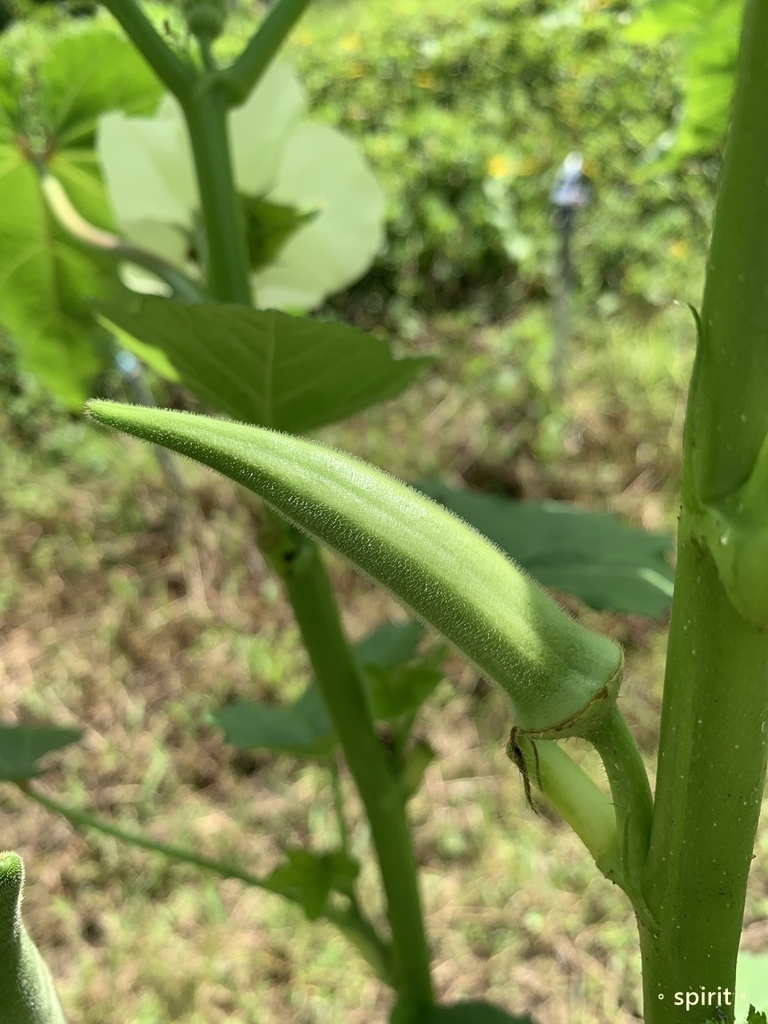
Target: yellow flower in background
679,249
424,80
499,166
350,42
355,70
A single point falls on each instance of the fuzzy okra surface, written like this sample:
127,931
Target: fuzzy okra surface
27,993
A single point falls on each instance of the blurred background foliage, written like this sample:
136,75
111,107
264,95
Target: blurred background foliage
466,113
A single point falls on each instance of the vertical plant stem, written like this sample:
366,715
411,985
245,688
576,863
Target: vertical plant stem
711,776
714,738
338,801
298,562
226,258
338,677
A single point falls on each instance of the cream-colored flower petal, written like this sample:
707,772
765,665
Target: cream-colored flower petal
323,170
147,166
261,127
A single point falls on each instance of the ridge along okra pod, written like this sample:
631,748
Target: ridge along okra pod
560,679
27,994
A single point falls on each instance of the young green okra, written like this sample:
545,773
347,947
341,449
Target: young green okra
561,679
27,993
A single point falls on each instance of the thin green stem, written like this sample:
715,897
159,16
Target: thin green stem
577,799
93,237
176,76
360,933
714,732
349,920
338,801
338,676
242,77
205,46
632,801
81,818
182,286
298,563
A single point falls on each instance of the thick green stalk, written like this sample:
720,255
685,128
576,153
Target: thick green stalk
714,736
711,775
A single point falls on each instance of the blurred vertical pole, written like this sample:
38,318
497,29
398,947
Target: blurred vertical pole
571,192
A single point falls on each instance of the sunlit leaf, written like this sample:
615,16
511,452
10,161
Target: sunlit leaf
265,367
592,555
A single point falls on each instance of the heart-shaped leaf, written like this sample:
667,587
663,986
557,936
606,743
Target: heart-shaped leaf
265,367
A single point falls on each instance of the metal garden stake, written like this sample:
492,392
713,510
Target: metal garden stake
572,192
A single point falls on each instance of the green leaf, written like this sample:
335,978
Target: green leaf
9,101
45,283
390,645
304,729
560,678
473,1012
414,763
756,1016
22,746
398,691
592,555
268,368
397,680
27,992
710,33
309,878
117,77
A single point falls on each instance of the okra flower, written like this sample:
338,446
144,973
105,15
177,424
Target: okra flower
315,211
